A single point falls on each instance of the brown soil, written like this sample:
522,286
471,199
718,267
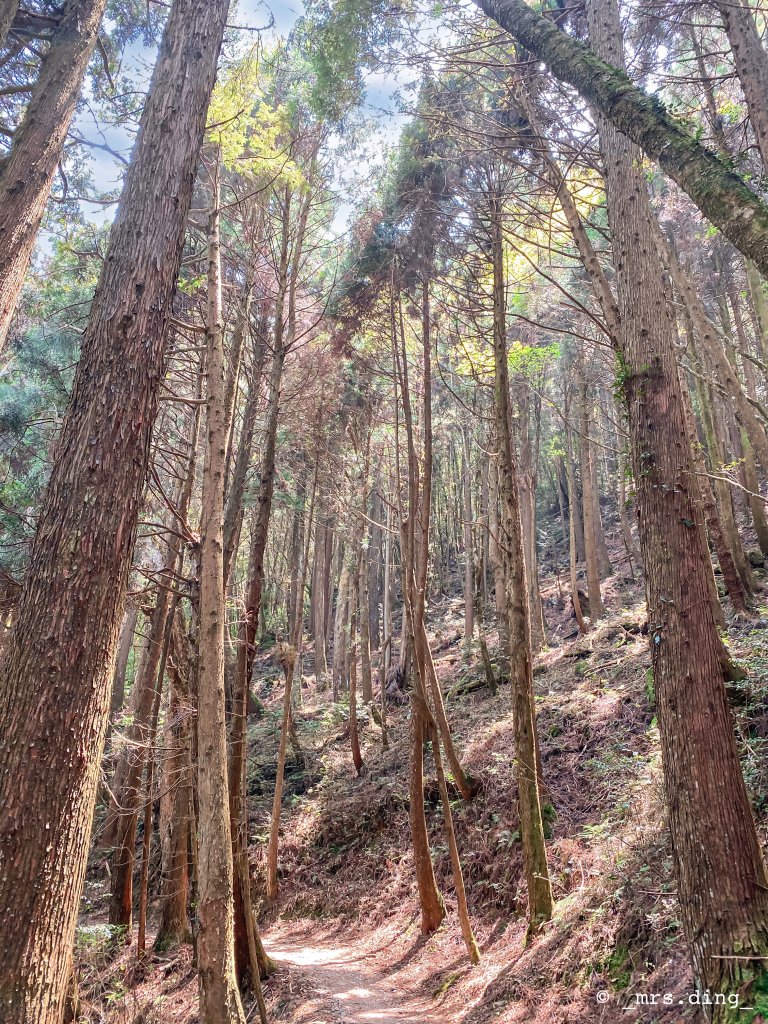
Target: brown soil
339,981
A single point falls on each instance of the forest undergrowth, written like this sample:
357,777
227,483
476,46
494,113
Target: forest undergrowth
345,865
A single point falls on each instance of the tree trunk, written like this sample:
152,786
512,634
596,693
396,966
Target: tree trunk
127,778
123,653
26,174
430,901
233,514
245,654
513,561
573,502
751,65
721,195
354,733
722,883
466,479
8,10
219,995
289,656
340,630
130,767
453,850
714,529
596,610
56,672
319,588
756,501
173,928
366,676
527,490
146,843
711,345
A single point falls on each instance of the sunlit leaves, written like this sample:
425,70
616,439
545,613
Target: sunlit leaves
248,125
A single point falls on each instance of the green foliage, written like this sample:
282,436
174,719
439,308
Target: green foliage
340,41
249,128
34,390
531,361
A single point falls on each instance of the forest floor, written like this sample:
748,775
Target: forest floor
345,930
334,980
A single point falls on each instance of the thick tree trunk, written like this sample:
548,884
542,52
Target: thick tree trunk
56,672
722,882
219,995
721,195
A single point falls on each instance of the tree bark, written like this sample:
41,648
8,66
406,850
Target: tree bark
513,561
366,675
123,653
8,10
26,174
219,994
56,671
722,883
596,609
466,480
572,554
177,778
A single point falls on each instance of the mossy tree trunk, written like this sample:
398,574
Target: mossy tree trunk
722,882
721,195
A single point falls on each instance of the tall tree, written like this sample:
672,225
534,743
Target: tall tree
722,882
56,671
511,552
219,995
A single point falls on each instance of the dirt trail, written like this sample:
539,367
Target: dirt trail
340,983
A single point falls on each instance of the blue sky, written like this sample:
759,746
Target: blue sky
380,106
